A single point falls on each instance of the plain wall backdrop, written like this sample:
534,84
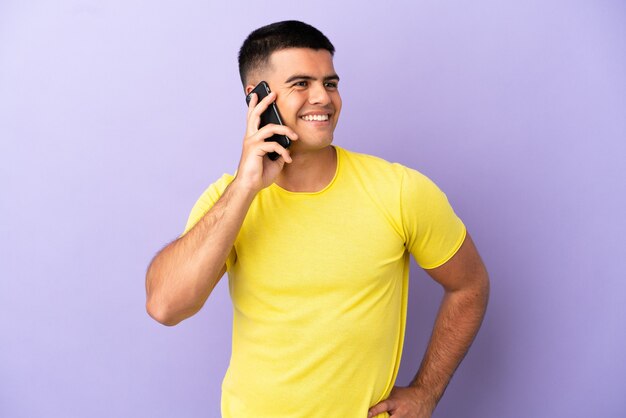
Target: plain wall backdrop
115,116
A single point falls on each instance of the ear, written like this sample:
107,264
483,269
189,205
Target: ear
249,88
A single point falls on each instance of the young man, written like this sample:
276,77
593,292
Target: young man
317,248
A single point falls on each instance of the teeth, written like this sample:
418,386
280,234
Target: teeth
315,117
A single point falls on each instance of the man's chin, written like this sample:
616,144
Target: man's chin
311,144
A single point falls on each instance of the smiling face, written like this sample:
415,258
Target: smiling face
308,100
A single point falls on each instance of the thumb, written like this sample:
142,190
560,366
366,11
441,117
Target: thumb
379,408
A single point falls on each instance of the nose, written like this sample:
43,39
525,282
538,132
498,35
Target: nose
318,95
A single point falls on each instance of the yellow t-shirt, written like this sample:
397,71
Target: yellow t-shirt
319,285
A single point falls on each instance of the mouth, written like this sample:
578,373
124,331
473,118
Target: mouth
316,117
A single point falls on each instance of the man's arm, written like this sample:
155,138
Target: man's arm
466,291
181,277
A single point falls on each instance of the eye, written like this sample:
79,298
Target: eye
302,83
331,84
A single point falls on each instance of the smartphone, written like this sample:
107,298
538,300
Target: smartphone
270,115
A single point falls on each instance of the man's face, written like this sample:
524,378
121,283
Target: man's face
308,100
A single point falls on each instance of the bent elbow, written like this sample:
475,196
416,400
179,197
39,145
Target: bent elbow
158,308
161,314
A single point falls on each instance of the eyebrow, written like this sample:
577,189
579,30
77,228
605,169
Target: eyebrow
308,77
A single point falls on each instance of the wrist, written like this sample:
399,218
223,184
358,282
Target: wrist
425,396
243,188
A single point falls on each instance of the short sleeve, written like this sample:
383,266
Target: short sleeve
205,203
433,232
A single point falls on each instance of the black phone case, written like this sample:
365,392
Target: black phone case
270,115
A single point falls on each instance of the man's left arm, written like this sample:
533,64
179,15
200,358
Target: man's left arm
466,291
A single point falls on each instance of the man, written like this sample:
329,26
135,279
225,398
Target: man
317,244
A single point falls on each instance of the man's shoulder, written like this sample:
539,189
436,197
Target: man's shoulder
223,182
364,158
216,189
376,173
376,166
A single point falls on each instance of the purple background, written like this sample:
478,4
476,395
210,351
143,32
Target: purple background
114,117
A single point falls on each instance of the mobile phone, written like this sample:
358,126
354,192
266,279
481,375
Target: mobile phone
270,115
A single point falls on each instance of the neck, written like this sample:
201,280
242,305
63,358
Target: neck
310,171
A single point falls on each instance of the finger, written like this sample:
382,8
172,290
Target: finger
265,102
272,129
379,408
254,99
268,147
255,112
261,106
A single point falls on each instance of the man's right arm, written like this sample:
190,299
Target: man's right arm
182,275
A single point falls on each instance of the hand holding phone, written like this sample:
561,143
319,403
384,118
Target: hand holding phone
270,115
